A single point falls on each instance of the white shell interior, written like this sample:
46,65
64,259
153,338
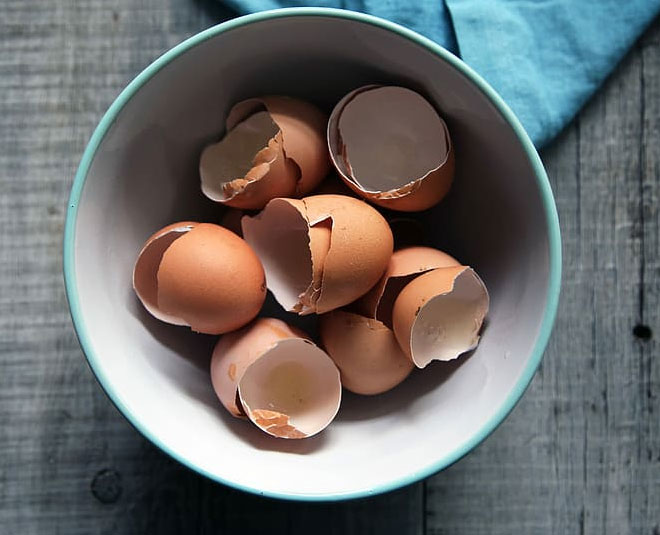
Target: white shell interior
448,325
288,264
145,175
393,137
295,378
234,155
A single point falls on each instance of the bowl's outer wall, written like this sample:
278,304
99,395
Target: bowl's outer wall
140,173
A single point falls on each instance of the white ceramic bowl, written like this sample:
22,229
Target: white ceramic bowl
139,173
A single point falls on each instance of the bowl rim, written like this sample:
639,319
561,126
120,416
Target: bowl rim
551,219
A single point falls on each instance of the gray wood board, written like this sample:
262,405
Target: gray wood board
581,452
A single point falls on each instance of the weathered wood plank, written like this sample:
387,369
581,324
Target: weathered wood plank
646,511
399,512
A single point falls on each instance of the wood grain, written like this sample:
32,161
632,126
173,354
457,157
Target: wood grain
581,452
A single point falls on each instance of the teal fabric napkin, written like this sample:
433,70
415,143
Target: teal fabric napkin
544,57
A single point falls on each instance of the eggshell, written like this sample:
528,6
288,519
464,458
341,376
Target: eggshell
274,147
438,315
280,236
340,241
303,128
404,265
248,167
391,147
273,374
319,245
292,391
237,350
361,245
365,351
145,272
200,275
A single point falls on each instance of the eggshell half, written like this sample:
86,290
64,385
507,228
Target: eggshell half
237,350
280,236
404,265
248,167
145,272
274,147
211,279
391,147
438,315
292,391
319,253
361,245
303,128
365,351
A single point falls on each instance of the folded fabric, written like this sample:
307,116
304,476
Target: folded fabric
544,57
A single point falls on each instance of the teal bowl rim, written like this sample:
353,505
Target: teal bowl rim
552,222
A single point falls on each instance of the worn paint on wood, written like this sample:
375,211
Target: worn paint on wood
581,452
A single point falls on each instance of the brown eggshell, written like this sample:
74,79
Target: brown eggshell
292,391
405,264
303,128
365,351
235,351
438,315
390,146
280,236
145,282
340,242
361,245
211,279
319,245
248,166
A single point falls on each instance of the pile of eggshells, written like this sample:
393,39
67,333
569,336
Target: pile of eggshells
381,312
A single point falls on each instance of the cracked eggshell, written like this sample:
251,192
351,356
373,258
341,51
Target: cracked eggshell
365,351
274,147
404,265
145,271
360,248
235,351
391,147
438,315
292,391
280,235
200,275
247,167
319,253
273,374
303,127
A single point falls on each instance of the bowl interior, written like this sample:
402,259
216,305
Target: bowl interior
144,175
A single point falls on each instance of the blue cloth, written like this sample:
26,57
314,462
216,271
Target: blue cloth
544,57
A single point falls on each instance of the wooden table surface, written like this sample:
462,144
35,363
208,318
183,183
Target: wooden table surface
580,453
